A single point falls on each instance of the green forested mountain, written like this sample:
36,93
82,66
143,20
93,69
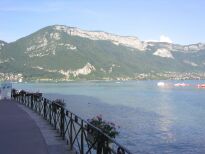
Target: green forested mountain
60,52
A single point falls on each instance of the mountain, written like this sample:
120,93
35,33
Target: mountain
2,45
67,53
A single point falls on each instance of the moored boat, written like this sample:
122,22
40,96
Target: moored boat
181,85
201,85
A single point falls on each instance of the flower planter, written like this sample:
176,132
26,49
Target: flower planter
94,135
91,140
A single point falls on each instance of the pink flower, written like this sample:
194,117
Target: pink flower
109,128
99,117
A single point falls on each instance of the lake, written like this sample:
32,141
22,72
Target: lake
152,119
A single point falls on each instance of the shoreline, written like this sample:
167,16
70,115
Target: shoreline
78,81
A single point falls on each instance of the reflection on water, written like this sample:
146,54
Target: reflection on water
166,117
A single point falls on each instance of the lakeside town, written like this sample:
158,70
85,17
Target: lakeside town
18,77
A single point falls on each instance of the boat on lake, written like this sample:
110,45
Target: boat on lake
181,85
201,85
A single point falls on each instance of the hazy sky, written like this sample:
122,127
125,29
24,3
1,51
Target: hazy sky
180,21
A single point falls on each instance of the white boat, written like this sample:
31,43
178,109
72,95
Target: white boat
181,85
160,84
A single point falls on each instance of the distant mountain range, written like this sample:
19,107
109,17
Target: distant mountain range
69,53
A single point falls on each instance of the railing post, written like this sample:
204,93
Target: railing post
62,127
44,108
55,114
71,132
21,98
32,101
50,113
99,145
35,106
24,97
82,138
28,100
106,148
102,144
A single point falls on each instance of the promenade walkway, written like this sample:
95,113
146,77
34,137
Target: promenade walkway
22,132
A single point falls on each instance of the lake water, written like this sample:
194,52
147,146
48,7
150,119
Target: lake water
151,119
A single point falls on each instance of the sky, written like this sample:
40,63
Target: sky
177,21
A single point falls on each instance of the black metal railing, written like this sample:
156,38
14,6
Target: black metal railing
76,131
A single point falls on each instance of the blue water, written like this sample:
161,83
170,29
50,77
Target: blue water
151,119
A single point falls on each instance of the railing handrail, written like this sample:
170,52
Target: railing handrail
39,95
99,130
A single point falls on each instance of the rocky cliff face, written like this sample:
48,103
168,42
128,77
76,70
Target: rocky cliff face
129,41
167,50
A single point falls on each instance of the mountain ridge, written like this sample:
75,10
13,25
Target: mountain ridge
100,31
69,53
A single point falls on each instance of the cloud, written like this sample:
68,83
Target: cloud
164,38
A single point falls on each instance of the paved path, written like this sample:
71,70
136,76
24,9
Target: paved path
54,142
19,134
